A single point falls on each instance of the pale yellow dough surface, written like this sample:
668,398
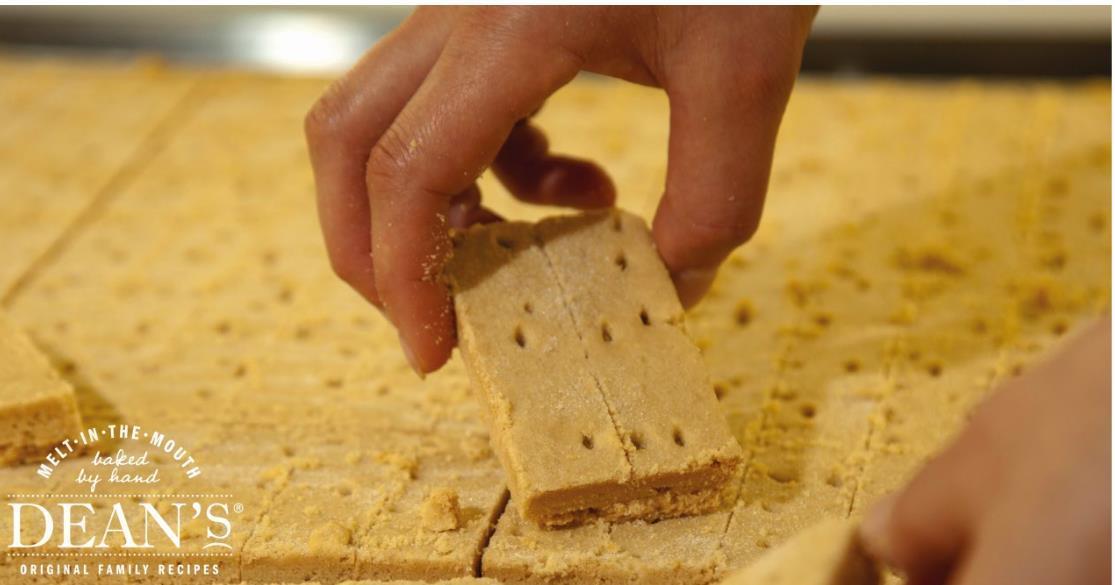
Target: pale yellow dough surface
921,240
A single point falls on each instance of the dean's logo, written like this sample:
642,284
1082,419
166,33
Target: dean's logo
105,509
132,464
127,525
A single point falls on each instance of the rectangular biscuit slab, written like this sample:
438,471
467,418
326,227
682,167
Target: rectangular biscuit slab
598,402
37,407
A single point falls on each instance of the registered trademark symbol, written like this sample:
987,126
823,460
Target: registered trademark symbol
238,507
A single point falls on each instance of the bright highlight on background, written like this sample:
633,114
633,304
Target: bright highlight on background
299,42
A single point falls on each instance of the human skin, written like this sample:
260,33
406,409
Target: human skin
398,142
1023,495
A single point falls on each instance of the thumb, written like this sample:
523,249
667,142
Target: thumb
922,531
723,122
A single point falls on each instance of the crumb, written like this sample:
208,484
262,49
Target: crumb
441,511
329,536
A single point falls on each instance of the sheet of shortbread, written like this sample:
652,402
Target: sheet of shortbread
599,404
826,554
846,341
37,407
62,153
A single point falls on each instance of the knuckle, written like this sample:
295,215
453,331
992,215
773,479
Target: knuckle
390,157
326,117
526,30
767,80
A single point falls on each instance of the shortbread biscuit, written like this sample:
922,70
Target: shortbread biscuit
599,404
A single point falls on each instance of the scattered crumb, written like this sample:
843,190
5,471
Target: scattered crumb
329,536
441,511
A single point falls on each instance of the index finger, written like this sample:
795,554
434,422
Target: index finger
345,124
441,141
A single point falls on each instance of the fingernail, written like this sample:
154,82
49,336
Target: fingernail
873,531
411,359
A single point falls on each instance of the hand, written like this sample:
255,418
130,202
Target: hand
397,143
1024,494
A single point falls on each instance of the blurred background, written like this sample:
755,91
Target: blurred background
1056,41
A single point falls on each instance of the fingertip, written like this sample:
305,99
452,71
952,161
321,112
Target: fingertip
437,354
465,210
692,264
558,180
692,285
428,347
411,357
576,183
526,168
885,539
441,359
426,323
922,530
873,531
463,217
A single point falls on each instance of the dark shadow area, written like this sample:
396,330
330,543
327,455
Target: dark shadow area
983,57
